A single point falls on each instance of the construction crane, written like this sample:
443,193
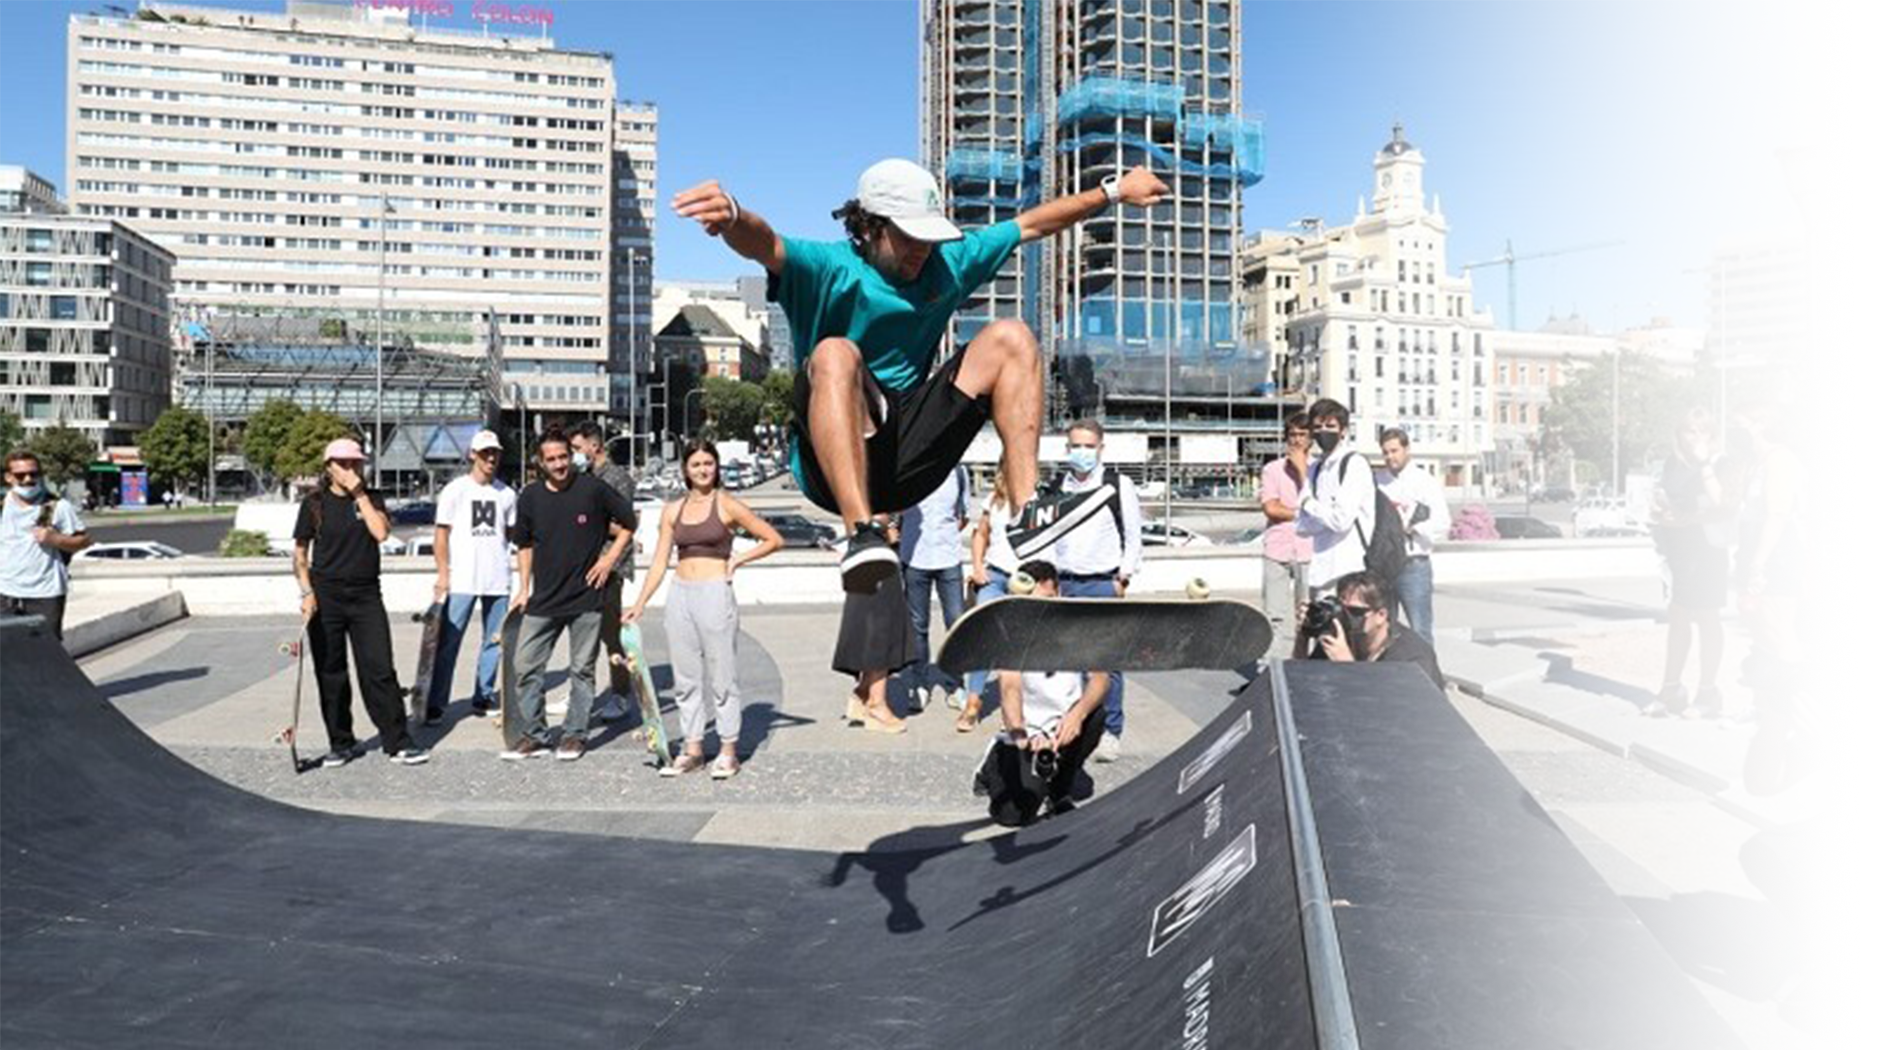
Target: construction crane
1509,259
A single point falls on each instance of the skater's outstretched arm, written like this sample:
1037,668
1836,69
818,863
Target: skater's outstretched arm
1138,186
723,216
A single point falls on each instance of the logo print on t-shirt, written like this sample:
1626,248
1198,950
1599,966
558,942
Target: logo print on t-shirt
485,517
584,519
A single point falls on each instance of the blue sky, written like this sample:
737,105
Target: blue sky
1548,124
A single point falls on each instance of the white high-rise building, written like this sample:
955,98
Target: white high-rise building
350,161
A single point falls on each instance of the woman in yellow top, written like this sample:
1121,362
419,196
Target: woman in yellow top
1764,484
701,614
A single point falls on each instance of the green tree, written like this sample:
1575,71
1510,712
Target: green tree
733,407
265,434
244,543
12,431
1581,415
176,448
301,453
777,396
64,453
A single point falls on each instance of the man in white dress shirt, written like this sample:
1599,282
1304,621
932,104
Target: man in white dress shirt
1102,549
1419,497
1338,509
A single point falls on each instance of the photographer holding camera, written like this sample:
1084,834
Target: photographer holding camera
1354,624
1809,718
1052,722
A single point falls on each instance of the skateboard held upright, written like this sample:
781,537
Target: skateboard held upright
648,705
423,668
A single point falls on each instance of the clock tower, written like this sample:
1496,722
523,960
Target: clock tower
1398,176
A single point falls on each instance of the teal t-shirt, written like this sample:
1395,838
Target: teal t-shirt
827,290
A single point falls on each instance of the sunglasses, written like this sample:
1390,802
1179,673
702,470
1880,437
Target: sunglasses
26,475
1359,610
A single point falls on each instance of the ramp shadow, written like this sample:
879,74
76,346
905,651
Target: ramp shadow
138,683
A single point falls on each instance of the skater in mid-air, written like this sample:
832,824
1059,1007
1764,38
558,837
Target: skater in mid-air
876,427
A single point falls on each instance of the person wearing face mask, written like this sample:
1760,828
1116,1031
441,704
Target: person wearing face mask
1338,508
38,532
1362,629
589,456
1100,550
876,427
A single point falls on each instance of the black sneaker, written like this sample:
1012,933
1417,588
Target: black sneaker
337,758
869,559
435,716
1822,986
410,756
1049,516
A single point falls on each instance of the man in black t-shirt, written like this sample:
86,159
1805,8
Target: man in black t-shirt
341,599
1363,630
566,556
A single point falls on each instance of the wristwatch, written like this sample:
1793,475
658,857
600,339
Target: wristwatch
1112,189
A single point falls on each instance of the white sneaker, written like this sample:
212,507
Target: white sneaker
1109,748
955,700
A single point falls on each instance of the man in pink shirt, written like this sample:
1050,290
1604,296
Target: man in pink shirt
1284,552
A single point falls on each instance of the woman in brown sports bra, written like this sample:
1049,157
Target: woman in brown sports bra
700,613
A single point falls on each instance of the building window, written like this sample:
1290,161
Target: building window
65,307
39,274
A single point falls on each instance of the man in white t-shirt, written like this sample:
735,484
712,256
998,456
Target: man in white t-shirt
471,527
1052,722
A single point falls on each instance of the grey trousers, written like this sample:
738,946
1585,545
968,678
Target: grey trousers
536,636
1283,586
702,624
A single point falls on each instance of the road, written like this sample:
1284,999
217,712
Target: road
199,536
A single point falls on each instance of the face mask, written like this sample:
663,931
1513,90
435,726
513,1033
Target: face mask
1083,459
31,492
1327,440
580,462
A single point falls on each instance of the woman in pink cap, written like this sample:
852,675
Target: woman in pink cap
341,601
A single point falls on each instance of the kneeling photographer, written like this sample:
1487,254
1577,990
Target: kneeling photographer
1354,624
1811,718
1052,721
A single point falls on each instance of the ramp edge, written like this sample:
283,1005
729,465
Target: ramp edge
1335,1025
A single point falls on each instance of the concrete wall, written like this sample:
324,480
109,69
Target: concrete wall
265,586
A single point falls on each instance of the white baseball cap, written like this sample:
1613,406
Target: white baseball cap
908,195
483,440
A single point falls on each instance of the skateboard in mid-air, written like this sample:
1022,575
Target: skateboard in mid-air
423,669
631,635
1125,634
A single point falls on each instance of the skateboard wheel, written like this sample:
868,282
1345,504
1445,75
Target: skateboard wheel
1021,584
1197,588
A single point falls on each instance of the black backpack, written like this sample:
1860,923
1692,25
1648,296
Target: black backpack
1384,549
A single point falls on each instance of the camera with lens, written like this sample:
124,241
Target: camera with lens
1824,677
1321,615
1044,764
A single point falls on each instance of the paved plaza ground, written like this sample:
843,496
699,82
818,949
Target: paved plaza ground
1549,674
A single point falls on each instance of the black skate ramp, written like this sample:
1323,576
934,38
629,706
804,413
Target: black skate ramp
1386,883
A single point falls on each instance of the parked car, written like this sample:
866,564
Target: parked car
1518,527
418,512
130,550
1250,537
1155,534
1553,494
797,530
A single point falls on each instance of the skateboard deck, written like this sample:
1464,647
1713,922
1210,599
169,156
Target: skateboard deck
298,648
1127,634
648,704
423,669
511,724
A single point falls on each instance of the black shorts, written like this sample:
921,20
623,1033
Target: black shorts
919,435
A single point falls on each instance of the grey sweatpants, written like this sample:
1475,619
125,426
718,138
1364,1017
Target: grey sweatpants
701,620
536,636
1284,591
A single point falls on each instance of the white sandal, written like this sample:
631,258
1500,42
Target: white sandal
723,767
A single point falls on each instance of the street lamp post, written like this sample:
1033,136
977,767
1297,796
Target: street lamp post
1614,482
683,435
380,340
210,409
1724,406
1811,169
